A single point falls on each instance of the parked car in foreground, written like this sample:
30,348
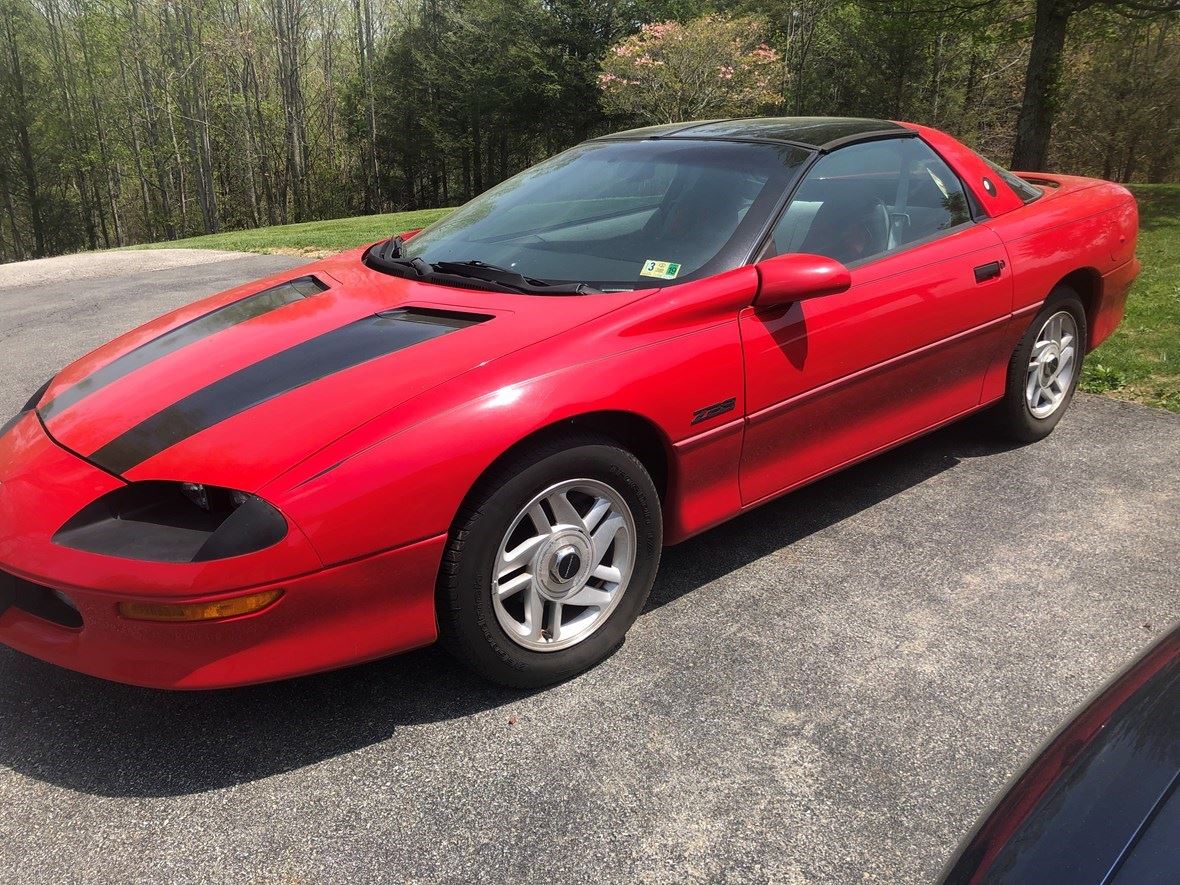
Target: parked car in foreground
1100,803
488,430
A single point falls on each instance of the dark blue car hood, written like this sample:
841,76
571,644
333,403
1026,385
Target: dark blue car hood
1100,803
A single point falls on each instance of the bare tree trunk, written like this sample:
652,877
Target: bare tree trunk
265,169
177,163
137,155
63,72
196,119
969,91
476,153
328,14
365,54
288,15
20,120
151,116
18,248
1034,126
100,135
250,160
934,91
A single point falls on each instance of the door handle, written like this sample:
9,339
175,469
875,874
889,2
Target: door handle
988,271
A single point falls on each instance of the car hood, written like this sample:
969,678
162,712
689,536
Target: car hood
238,388
1099,803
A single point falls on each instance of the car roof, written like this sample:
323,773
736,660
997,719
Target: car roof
815,133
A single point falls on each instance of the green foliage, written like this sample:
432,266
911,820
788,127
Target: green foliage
128,121
312,238
1141,360
710,67
1098,378
1121,116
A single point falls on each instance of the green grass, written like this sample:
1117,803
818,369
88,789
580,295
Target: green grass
310,237
1141,360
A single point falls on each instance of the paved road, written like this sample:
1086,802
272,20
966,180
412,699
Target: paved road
829,689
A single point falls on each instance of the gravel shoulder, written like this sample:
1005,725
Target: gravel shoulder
100,265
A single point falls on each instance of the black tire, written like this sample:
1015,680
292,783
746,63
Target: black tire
1016,419
468,625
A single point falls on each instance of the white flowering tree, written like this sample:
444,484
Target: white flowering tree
710,67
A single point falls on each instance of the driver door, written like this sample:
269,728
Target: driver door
832,380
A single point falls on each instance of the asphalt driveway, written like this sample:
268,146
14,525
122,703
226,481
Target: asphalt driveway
829,689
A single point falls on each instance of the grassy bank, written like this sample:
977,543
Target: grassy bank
311,238
1140,362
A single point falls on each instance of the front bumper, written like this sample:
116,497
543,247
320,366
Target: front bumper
325,618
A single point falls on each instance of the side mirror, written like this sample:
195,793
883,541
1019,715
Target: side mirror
785,279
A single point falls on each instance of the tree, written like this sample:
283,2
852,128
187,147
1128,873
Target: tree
124,121
1121,116
711,66
1042,81
18,105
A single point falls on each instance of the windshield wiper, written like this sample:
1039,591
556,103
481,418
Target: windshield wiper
492,273
386,257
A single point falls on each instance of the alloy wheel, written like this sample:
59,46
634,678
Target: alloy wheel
563,565
1052,365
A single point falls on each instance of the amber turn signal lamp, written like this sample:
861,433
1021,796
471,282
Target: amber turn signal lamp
199,611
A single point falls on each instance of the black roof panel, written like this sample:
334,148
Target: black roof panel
662,130
815,132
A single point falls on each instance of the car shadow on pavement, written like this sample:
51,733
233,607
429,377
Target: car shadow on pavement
107,739
784,521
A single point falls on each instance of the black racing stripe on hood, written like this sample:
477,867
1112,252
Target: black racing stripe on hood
183,335
358,342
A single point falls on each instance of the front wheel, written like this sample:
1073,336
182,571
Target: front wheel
550,562
1045,367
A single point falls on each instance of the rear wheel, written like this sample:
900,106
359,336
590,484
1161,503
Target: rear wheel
1045,367
550,562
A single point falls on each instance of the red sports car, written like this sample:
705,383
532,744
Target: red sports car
488,430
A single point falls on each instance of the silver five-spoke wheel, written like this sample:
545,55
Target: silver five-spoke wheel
563,565
1052,364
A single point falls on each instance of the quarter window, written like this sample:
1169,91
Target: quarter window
1023,189
870,199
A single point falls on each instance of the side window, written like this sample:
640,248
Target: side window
869,199
934,200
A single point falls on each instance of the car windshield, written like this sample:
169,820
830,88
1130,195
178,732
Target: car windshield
621,214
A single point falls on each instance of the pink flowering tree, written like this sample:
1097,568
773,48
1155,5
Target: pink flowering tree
710,67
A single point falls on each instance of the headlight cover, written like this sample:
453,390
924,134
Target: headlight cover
162,521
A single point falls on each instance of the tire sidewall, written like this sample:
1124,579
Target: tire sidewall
491,649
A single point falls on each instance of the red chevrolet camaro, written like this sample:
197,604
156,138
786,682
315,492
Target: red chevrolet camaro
488,430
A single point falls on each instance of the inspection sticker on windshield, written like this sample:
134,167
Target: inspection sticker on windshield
663,270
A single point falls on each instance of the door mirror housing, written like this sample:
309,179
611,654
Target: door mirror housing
786,279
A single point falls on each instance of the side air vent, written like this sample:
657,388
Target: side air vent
42,602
